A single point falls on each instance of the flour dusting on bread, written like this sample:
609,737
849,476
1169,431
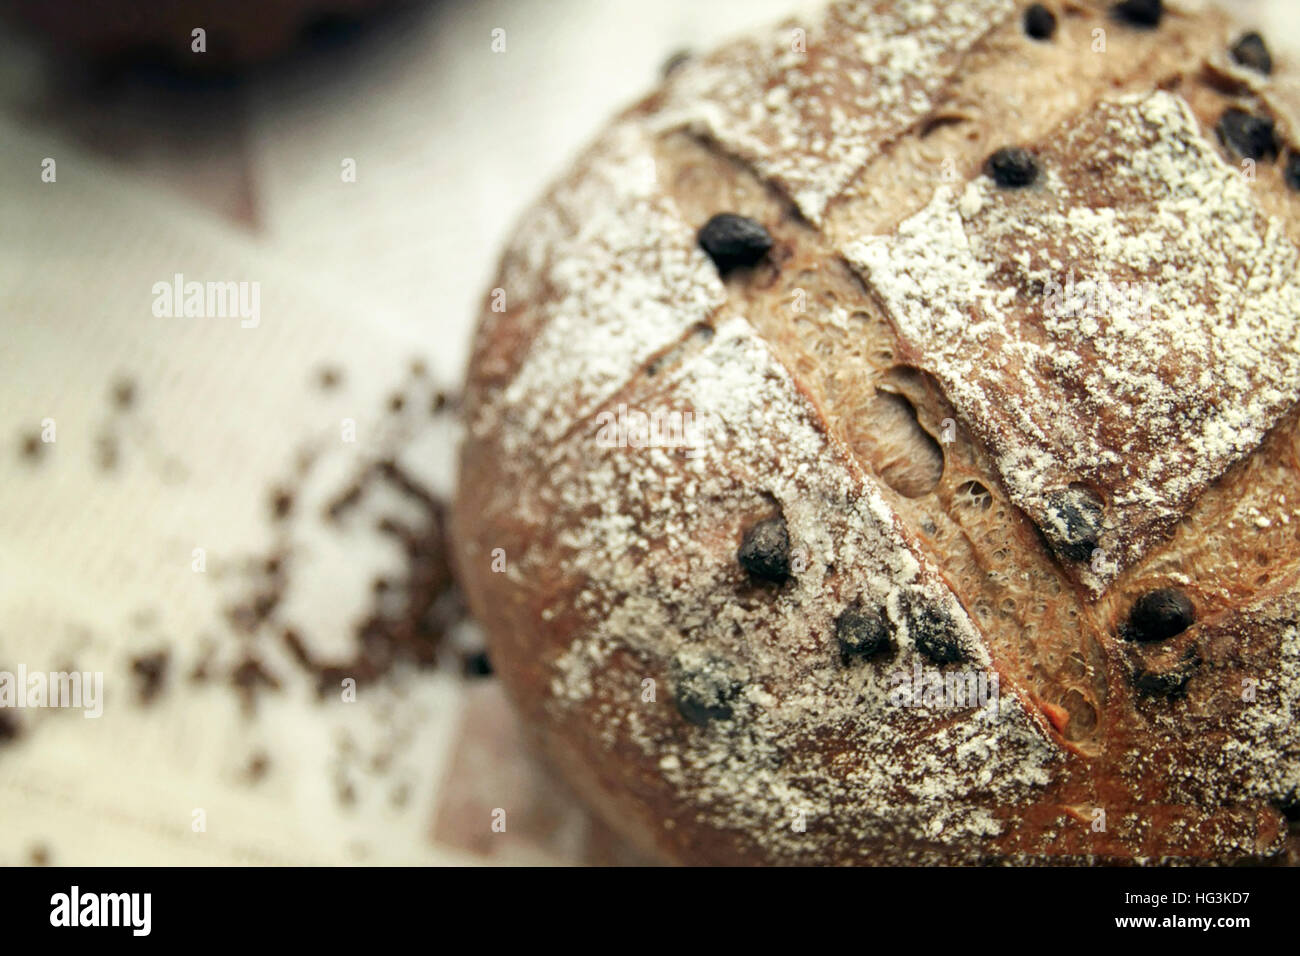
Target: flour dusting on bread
649,577
707,638
833,94
1169,351
624,278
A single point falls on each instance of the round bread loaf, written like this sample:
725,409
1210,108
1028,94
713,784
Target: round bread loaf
882,447
237,33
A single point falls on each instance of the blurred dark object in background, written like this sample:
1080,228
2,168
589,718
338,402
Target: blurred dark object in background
238,33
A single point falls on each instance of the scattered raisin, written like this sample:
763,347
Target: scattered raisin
1013,168
1291,172
1076,519
1171,684
1040,22
1159,615
765,550
734,241
478,665
1250,136
704,693
1251,51
861,633
934,633
1141,13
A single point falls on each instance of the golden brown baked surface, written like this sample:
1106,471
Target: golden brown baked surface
1040,435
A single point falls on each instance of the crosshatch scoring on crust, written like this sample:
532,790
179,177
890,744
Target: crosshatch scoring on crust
833,94
852,515
1127,323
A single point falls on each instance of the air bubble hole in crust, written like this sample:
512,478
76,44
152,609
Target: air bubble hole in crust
906,456
1083,715
972,494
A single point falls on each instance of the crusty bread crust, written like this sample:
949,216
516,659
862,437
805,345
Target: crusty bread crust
892,384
